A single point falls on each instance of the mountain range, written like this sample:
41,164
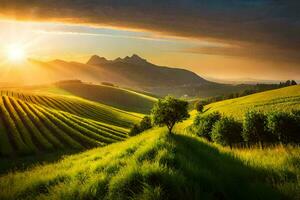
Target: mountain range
129,72
145,74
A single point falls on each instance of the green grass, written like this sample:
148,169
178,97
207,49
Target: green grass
156,165
284,99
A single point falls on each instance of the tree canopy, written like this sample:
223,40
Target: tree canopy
169,111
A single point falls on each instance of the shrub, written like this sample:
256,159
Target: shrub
227,131
255,128
203,125
285,126
145,123
134,130
169,111
199,106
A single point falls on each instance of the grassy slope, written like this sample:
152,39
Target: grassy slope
285,99
113,96
155,165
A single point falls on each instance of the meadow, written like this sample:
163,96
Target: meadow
283,99
158,165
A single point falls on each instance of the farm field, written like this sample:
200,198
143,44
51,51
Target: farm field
34,124
284,99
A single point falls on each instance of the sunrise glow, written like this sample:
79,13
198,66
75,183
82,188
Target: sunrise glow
16,53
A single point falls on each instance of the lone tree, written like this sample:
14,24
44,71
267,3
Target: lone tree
169,111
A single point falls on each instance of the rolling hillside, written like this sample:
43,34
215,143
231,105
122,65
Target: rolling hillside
285,99
113,96
32,123
154,165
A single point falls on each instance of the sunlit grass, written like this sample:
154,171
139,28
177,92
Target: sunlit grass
156,165
284,99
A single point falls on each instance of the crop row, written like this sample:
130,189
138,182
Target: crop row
27,128
74,106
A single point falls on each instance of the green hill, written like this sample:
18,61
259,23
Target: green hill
154,165
31,123
114,96
285,99
120,98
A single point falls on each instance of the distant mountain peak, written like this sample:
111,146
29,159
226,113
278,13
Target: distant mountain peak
118,59
96,60
135,59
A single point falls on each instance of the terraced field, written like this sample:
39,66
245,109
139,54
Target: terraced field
31,124
284,99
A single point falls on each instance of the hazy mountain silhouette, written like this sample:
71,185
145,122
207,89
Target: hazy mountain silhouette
145,74
132,71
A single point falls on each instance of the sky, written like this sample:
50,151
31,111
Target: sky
222,39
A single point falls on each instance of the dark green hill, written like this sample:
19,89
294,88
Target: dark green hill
124,99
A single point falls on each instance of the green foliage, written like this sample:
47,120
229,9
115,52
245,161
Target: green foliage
134,130
255,128
203,124
199,106
227,131
145,124
285,126
169,111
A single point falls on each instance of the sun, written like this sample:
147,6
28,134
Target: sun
16,53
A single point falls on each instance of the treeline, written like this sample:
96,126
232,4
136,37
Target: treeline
257,128
257,88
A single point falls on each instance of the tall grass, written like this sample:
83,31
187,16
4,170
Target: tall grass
153,165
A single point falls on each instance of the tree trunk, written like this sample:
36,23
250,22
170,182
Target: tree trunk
170,128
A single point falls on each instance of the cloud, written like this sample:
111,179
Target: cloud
262,24
263,52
